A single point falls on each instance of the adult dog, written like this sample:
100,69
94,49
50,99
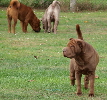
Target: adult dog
84,60
51,15
17,10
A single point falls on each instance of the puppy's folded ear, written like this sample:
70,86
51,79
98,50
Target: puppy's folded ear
70,38
80,44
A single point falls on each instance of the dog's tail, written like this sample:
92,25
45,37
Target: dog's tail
54,3
79,32
15,4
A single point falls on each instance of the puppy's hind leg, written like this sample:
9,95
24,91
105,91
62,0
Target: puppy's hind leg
9,23
55,26
14,25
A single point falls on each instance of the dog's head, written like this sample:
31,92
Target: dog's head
36,25
74,47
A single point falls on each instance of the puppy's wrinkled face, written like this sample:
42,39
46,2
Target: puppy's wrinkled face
72,49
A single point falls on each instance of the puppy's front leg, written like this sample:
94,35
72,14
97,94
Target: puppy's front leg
86,81
49,25
22,25
72,72
78,79
9,23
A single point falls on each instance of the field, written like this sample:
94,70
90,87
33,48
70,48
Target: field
32,66
88,5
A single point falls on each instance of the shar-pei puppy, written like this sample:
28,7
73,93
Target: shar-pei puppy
51,15
17,10
83,60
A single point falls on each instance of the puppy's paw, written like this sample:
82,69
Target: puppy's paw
73,82
91,95
79,94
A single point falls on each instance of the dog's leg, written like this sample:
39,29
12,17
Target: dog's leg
22,25
13,26
86,81
72,73
55,26
91,78
78,79
49,25
9,23
25,27
46,26
72,78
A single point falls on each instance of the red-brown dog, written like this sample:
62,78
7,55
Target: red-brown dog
84,60
17,10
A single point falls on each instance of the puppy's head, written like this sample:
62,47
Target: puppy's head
36,25
74,47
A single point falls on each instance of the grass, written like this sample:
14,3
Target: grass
88,5
23,77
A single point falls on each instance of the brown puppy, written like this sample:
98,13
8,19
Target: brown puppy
17,10
84,60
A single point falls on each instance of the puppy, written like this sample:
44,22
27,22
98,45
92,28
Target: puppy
84,60
51,15
17,10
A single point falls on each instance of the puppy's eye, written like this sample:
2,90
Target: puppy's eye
72,45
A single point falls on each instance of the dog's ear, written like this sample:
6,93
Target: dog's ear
80,44
70,38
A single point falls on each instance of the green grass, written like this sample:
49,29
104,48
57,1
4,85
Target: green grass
23,77
88,5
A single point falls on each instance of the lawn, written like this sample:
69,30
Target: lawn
32,66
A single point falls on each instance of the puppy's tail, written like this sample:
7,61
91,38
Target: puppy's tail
79,32
54,3
15,4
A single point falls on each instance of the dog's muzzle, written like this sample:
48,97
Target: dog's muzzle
64,52
37,30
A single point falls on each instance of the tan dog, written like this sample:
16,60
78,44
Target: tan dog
84,60
17,10
51,15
